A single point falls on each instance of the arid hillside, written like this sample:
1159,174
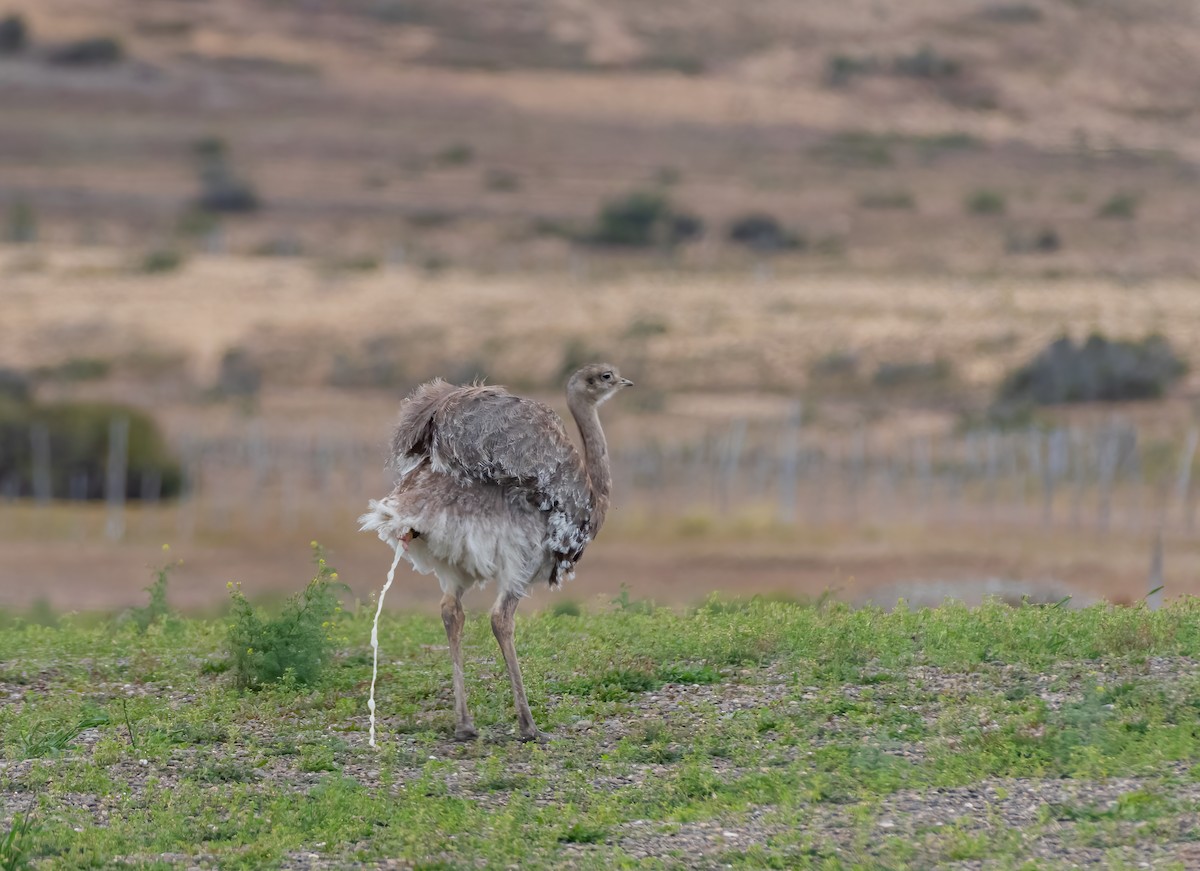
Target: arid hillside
1041,137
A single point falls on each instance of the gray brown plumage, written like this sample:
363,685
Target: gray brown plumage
490,488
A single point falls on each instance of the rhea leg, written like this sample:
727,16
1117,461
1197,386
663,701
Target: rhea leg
453,619
503,613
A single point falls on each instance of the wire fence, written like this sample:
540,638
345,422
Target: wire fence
1102,477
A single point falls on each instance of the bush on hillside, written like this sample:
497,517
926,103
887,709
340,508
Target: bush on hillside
90,52
1099,370
759,231
643,219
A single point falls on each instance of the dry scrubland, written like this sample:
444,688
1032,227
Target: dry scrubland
727,341
1040,137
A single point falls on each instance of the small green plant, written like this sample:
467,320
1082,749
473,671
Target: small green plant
44,739
455,154
582,833
293,647
15,843
1120,206
76,369
317,757
22,222
501,180
986,201
144,616
842,69
568,608
925,63
161,260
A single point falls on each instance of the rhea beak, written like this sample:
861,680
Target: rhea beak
625,382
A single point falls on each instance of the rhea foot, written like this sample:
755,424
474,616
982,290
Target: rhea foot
535,735
465,732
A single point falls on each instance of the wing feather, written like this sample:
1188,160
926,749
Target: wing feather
487,435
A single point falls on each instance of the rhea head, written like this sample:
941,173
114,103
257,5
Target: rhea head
597,383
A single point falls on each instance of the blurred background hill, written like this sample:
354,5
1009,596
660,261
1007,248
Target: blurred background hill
833,243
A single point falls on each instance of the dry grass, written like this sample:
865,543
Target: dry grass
718,333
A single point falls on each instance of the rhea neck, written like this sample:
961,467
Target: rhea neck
595,448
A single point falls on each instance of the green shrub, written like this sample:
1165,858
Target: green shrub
841,69
1043,241
1120,206
78,434
986,201
221,190
455,154
925,63
239,375
1098,370
293,647
501,180
14,34
161,260
836,365
642,219
88,52
762,232
22,222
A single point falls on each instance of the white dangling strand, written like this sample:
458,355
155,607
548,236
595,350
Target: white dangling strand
391,576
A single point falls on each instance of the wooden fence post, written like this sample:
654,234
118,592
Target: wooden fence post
115,477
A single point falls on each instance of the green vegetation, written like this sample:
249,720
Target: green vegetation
643,219
753,733
22,222
760,231
76,435
221,189
161,260
455,154
292,647
156,610
1098,370
14,34
88,52
986,201
76,369
1120,206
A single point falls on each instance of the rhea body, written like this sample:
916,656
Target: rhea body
491,488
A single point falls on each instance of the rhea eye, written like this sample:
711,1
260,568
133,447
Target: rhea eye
607,376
